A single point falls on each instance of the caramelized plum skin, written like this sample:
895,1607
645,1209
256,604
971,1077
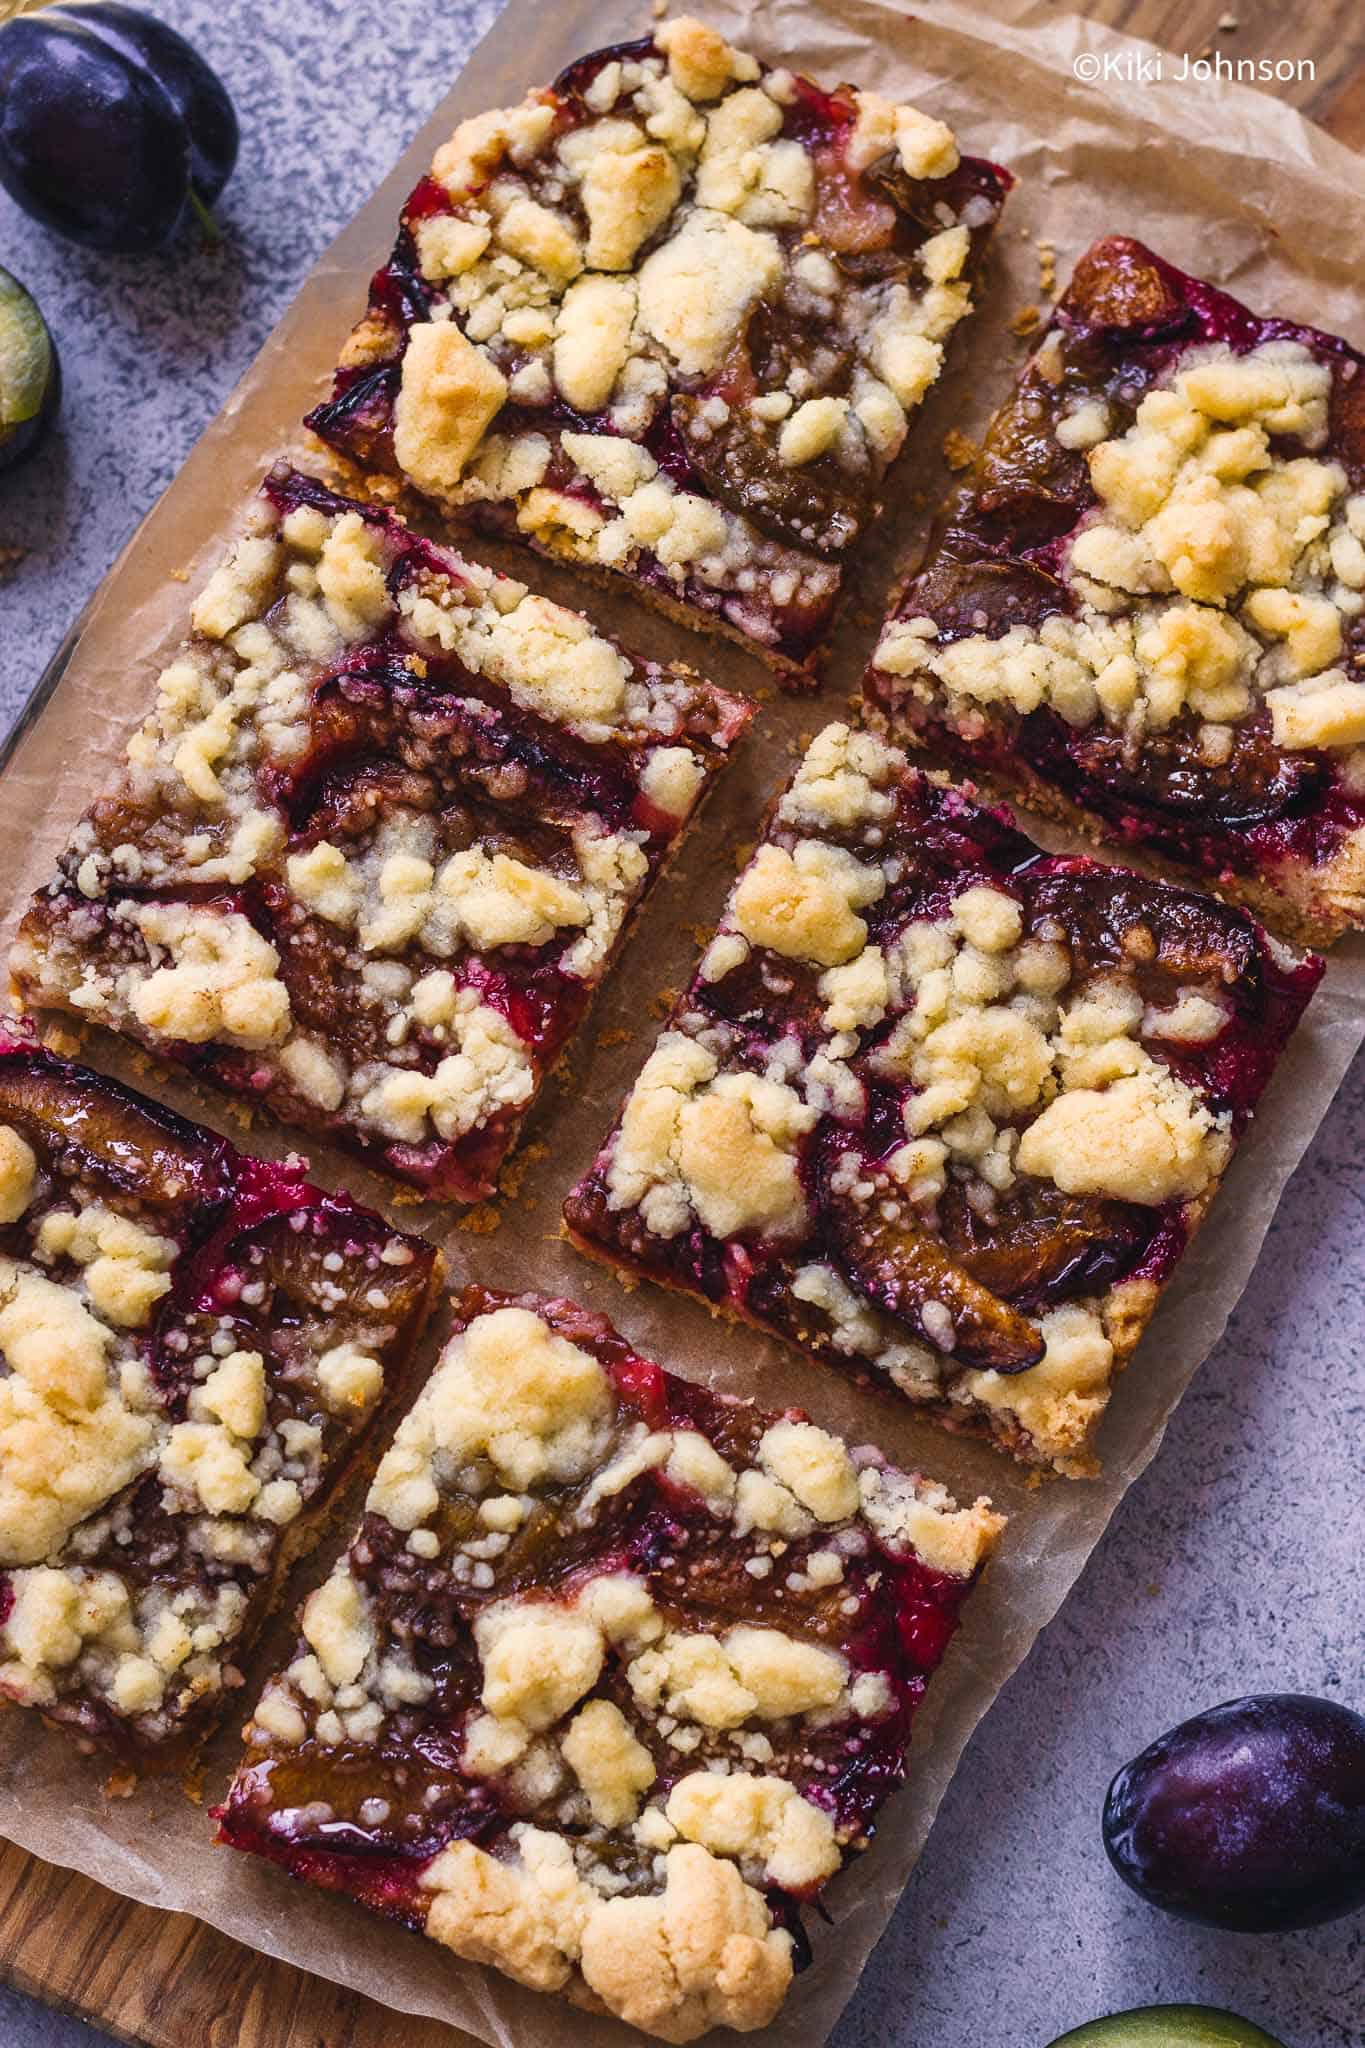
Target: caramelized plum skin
890,1612
1249,1817
901,1269
997,559
81,1126
1043,1246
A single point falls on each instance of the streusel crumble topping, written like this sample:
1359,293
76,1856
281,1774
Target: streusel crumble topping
376,844
616,1672
940,1107
670,318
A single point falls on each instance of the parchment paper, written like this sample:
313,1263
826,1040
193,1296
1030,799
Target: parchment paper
1228,182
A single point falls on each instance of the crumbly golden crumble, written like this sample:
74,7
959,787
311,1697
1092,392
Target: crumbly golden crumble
778,268
937,1107
654,1720
378,838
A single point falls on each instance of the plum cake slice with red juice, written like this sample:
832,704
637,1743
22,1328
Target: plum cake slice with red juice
668,319
615,1676
942,1109
378,841
194,1346
1144,612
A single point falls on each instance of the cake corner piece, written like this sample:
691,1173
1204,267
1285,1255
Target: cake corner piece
940,1109
1143,612
197,1345
650,1657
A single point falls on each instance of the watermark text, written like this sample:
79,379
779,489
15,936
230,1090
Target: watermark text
1136,67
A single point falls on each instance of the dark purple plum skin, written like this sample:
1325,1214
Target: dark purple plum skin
110,125
192,86
1250,1817
89,145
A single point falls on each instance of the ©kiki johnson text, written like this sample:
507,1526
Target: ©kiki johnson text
1135,67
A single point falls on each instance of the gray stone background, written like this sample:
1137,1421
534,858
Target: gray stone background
1233,1566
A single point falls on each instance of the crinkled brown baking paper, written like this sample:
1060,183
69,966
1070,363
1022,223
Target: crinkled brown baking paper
1227,182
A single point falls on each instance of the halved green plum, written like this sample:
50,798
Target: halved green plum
30,377
1169,2026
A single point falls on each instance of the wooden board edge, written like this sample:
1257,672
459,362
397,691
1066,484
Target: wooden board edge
165,1980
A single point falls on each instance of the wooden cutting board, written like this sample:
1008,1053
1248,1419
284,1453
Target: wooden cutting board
163,1980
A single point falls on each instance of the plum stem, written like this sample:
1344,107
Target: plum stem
211,230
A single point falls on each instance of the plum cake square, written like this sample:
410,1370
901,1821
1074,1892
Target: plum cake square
193,1348
1144,611
940,1108
378,841
615,1676
669,318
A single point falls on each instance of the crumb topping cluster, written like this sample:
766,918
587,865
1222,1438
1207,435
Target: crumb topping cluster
1214,577
157,1443
942,1099
653,1710
380,769
672,315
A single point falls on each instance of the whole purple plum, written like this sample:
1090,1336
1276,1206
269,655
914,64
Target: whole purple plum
1250,1817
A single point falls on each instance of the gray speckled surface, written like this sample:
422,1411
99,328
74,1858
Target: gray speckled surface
1233,1565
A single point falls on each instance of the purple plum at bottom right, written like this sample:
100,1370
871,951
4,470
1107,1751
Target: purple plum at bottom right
1249,1817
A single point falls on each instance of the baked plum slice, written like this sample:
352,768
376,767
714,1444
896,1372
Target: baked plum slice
912,1274
80,1122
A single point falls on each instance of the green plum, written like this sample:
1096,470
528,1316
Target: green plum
30,380
1169,2026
